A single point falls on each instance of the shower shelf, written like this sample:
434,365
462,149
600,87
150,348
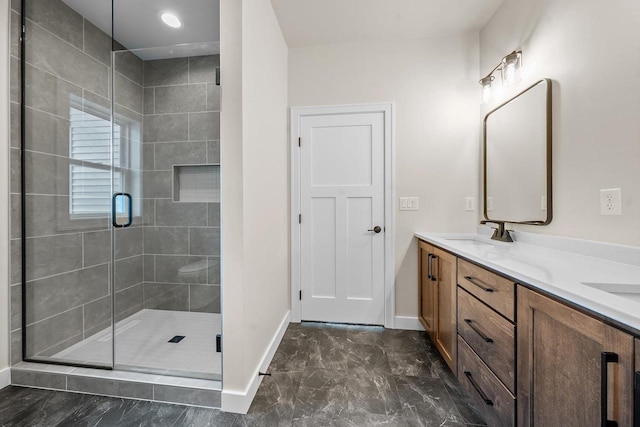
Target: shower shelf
196,183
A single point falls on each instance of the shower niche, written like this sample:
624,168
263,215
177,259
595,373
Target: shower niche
196,183
118,250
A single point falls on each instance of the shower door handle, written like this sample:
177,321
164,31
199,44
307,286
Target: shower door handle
116,200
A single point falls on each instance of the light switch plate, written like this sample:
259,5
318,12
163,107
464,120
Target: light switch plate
409,204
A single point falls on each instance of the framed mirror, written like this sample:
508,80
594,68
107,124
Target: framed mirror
517,158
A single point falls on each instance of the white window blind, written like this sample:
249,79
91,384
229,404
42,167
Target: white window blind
90,153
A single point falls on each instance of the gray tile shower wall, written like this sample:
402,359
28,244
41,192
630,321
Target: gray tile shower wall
68,251
181,240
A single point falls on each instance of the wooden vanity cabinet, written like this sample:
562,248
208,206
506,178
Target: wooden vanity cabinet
437,300
446,331
427,290
488,393
486,342
567,361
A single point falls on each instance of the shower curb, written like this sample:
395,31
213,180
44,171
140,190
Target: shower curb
121,384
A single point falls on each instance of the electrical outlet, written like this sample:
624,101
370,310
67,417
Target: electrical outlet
409,204
489,204
611,201
470,204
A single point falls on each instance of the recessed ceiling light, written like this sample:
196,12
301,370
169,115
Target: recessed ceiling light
171,20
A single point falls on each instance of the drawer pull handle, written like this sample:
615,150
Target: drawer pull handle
606,358
476,282
477,331
475,385
433,275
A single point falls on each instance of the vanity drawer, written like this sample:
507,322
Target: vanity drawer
496,404
489,334
494,290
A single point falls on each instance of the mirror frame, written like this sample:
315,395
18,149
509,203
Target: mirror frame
549,124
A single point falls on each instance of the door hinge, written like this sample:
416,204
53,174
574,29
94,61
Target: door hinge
300,219
299,142
218,343
300,295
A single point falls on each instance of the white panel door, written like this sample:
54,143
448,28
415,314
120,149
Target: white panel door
342,202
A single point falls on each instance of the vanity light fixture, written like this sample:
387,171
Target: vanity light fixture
171,19
509,67
487,89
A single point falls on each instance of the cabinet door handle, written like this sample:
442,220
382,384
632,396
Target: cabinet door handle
478,284
475,385
433,276
636,403
606,358
429,266
477,331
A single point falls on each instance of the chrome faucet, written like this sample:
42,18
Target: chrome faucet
500,232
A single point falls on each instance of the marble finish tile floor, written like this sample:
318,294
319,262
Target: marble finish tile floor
321,375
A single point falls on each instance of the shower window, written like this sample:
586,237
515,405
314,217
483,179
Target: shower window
91,159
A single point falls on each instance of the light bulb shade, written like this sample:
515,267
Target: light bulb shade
488,92
511,66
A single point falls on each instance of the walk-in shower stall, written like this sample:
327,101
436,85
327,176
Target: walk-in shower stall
116,185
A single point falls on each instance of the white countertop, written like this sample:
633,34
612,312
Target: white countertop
557,272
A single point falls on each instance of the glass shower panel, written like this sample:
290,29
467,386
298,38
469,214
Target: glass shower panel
169,314
68,185
121,193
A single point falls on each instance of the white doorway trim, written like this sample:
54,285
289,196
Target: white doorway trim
297,113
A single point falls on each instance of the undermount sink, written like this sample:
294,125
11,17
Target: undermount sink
627,291
468,241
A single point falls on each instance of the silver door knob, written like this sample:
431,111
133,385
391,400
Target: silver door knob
376,229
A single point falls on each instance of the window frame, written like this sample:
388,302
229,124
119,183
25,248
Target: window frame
125,167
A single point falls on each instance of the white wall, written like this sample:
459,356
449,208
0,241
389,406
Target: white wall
433,83
232,206
255,212
266,185
4,187
590,50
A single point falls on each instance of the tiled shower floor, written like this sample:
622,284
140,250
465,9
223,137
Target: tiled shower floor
142,343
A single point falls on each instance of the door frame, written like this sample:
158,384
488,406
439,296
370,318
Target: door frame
296,114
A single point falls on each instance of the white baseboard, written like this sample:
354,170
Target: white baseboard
407,323
238,401
5,377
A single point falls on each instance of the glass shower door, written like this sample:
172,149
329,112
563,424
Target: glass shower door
67,186
167,263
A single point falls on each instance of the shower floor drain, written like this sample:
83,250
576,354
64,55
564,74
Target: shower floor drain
176,339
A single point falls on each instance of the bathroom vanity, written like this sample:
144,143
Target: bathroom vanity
540,332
